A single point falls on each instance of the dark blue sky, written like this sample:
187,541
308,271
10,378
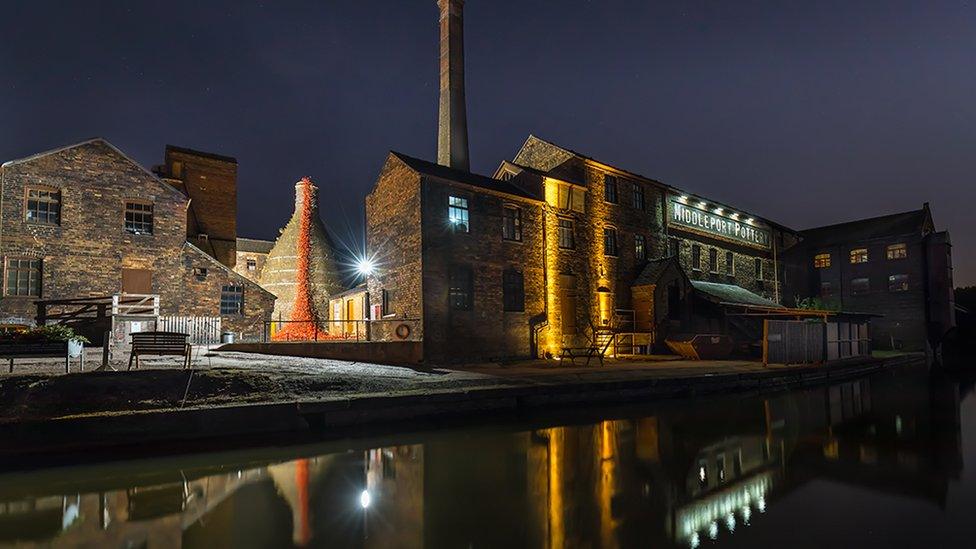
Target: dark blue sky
805,112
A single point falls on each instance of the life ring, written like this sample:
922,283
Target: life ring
402,331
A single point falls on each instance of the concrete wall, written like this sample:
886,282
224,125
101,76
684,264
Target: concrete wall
379,352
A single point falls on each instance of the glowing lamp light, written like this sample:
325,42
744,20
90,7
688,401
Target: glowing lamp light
702,205
365,499
713,530
719,210
365,266
735,215
750,220
683,198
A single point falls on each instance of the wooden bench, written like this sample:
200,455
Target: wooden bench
160,344
572,353
46,349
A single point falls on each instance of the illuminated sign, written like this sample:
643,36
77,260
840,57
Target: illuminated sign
713,224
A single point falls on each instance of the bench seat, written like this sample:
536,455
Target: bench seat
160,344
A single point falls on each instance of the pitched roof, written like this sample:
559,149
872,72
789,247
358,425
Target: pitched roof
653,270
731,294
254,245
424,167
904,223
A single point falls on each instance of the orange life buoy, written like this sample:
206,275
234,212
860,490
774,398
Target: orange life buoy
402,331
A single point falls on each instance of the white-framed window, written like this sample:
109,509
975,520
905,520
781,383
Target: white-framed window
457,213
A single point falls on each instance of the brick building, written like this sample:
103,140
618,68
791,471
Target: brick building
895,265
87,221
553,247
252,253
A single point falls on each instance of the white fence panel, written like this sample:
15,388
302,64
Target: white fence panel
203,330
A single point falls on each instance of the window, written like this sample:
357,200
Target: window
640,247
674,246
898,283
860,286
695,257
232,300
896,251
568,197
512,223
609,241
252,264
826,289
23,277
513,290
200,272
460,288
712,260
386,298
638,196
759,268
859,255
567,237
43,206
729,263
457,213
821,261
138,218
610,189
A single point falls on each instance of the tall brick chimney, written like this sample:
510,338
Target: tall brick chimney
452,127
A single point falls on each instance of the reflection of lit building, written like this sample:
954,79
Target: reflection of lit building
683,476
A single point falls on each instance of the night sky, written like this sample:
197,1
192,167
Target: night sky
807,113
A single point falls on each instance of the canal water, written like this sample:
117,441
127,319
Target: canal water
883,461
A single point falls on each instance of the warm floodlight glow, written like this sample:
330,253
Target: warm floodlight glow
750,220
719,210
365,499
702,205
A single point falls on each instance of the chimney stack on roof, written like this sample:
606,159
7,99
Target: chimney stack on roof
452,128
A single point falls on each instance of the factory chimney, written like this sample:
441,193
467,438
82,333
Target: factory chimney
452,127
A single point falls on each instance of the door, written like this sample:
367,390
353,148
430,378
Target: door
136,281
350,316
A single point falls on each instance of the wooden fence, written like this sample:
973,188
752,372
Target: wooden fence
806,342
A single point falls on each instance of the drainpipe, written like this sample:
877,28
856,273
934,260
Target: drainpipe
775,271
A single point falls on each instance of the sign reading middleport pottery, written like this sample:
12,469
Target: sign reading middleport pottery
688,216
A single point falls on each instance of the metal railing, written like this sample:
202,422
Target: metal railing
387,329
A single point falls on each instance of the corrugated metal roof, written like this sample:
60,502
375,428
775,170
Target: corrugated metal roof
732,294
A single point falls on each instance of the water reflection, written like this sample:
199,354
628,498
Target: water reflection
689,474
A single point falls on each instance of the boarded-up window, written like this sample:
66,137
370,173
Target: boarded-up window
136,281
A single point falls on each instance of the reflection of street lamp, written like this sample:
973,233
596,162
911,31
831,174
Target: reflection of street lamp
365,499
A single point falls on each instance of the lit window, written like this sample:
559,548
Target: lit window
610,189
138,218
639,196
860,286
859,255
759,268
513,290
512,223
569,197
696,257
712,260
231,300
609,241
457,213
43,206
896,251
252,264
23,277
567,238
460,288
640,247
821,261
898,283
729,263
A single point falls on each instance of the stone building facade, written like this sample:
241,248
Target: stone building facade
897,266
87,221
252,253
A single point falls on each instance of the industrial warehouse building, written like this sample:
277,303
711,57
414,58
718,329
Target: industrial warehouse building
86,222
